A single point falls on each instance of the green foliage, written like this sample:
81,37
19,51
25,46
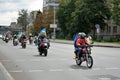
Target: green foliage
116,11
22,19
82,15
66,7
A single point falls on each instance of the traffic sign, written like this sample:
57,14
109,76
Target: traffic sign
53,25
97,26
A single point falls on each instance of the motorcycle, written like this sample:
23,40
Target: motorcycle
23,43
15,42
6,39
31,40
85,56
43,47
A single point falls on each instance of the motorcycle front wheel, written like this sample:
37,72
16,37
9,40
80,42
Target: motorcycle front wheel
89,62
24,46
45,52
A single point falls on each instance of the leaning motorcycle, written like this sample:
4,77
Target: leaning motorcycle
85,56
43,47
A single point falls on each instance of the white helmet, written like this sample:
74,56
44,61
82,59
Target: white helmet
83,35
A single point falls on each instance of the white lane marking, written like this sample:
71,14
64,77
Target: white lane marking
64,59
71,70
36,70
7,74
105,78
112,68
50,59
56,70
5,60
20,60
35,60
96,69
16,71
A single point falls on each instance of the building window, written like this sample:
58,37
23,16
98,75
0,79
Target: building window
108,29
115,29
51,7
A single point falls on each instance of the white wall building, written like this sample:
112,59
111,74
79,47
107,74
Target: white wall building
50,4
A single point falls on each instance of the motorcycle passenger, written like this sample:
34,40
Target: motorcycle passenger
80,43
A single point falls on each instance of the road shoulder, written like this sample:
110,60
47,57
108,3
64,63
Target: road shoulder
4,74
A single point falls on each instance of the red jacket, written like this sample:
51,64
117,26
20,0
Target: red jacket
81,42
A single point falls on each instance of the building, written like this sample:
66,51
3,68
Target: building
4,29
13,25
50,4
111,32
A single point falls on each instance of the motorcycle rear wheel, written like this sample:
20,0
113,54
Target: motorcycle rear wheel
78,62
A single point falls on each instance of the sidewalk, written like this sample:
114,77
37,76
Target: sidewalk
95,44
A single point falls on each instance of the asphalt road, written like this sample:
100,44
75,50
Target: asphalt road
26,64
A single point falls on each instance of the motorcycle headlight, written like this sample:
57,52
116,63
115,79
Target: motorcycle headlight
45,44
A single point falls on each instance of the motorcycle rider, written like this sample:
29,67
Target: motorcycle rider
23,37
6,37
36,40
80,43
14,37
30,38
41,38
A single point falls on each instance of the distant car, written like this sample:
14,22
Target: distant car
1,36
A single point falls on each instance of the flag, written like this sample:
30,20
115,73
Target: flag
43,31
19,34
75,39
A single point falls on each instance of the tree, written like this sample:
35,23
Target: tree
48,17
116,11
82,15
22,19
38,22
66,7
89,13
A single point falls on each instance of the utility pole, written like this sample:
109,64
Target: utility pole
54,20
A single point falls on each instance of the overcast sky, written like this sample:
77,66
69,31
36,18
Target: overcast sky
9,9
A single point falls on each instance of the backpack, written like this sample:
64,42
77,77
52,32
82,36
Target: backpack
75,39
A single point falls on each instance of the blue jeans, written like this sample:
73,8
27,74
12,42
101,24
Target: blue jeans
78,51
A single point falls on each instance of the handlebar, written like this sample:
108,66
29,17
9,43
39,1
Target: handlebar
85,46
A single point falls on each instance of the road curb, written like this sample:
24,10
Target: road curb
5,72
95,44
